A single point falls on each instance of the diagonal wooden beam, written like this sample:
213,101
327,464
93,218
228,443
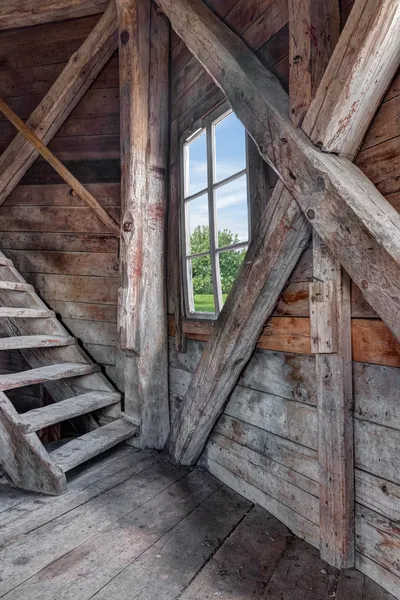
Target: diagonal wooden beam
23,13
72,181
79,74
346,209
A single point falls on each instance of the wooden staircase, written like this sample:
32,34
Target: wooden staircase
77,386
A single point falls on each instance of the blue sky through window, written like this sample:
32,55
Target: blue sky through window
230,158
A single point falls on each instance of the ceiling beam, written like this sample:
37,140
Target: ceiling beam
23,13
345,208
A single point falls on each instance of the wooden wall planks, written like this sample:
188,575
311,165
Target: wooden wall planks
269,426
53,239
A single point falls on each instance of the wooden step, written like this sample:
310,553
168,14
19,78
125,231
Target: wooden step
43,374
35,341
5,262
39,418
11,312
91,444
16,286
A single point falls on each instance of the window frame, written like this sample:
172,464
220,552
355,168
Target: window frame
207,123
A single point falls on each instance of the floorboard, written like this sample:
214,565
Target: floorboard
134,527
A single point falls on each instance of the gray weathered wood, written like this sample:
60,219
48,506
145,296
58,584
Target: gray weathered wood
142,368
355,81
335,414
34,341
299,525
339,201
78,451
80,72
249,466
232,572
25,313
23,458
42,374
36,419
13,285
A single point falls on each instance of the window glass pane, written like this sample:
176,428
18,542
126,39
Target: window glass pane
200,284
196,165
230,147
232,212
229,265
197,225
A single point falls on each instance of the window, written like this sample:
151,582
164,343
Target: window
215,212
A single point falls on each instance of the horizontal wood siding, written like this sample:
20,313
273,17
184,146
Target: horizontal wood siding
53,238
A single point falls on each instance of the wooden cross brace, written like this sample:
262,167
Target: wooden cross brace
357,224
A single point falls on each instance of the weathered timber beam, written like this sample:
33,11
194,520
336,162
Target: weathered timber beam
78,75
23,13
334,195
313,34
72,181
142,364
314,30
361,69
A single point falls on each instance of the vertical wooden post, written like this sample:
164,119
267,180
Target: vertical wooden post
335,410
142,324
314,32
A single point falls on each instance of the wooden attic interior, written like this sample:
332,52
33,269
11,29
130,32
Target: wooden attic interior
261,457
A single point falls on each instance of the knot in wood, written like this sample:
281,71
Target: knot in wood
311,214
297,59
364,284
124,37
127,226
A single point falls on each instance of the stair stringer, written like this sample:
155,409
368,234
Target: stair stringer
23,459
37,357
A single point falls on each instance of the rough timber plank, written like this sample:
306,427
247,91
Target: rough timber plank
42,374
98,527
91,444
34,341
167,568
12,285
233,571
23,458
25,313
81,70
299,525
301,575
106,473
311,176
335,414
36,419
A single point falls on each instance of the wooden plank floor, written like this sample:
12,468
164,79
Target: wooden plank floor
132,526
